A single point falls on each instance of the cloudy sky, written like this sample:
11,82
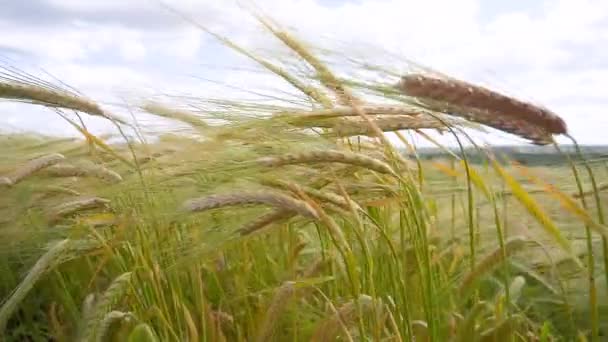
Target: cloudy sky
552,52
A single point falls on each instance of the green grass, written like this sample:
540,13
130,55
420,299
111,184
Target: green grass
434,251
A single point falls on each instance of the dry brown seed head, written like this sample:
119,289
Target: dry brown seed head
521,128
464,94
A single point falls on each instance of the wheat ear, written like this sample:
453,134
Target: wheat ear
96,315
106,325
95,170
359,127
182,115
326,77
464,94
52,98
342,319
50,189
72,207
316,267
280,300
537,134
33,166
274,199
5,182
47,262
320,156
349,111
320,195
264,220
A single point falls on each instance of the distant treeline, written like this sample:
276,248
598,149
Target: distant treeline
527,155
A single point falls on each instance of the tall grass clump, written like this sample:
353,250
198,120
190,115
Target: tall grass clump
314,219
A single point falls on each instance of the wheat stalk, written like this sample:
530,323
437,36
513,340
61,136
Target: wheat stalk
274,199
33,166
327,157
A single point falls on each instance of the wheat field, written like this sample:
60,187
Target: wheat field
308,219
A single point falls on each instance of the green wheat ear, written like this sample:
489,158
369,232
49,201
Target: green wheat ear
142,333
95,317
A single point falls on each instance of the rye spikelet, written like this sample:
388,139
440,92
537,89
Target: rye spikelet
35,165
47,262
280,300
93,320
53,98
489,262
342,319
72,207
271,198
467,95
334,156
